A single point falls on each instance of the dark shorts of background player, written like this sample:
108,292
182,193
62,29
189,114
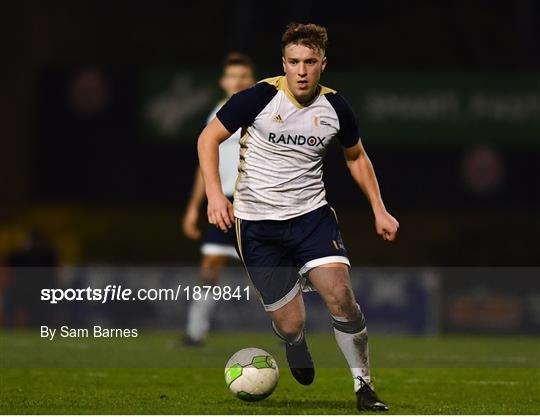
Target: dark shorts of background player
216,242
278,255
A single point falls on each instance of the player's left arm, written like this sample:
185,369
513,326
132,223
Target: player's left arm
363,173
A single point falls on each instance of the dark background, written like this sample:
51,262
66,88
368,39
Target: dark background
104,191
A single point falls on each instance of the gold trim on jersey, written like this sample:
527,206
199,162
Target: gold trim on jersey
326,90
242,160
280,82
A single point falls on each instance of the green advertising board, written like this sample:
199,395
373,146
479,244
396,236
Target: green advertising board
393,108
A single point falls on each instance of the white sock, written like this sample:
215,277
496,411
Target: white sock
199,315
354,347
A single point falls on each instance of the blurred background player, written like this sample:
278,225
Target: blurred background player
217,247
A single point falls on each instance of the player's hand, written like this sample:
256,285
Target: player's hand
220,212
386,225
189,223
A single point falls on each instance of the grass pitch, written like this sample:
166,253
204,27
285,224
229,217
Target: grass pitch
153,374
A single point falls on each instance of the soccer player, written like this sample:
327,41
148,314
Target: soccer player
217,246
283,221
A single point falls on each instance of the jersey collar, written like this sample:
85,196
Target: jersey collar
283,86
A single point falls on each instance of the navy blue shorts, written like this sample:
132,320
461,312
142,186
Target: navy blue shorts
216,242
278,255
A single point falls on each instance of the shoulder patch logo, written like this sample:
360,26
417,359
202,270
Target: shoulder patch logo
277,119
318,121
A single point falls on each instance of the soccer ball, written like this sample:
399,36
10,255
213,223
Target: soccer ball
251,374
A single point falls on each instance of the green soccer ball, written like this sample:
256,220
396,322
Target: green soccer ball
251,374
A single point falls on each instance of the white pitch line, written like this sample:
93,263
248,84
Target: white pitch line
457,381
512,359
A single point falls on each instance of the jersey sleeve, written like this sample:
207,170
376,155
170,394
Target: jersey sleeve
213,113
349,133
243,107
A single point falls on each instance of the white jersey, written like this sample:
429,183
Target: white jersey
282,148
229,157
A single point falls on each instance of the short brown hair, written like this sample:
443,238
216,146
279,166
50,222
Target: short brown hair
309,34
237,58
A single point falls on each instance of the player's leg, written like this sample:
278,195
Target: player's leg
276,281
334,285
217,247
323,259
200,311
288,323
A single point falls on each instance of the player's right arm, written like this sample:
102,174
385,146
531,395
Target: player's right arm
220,209
240,111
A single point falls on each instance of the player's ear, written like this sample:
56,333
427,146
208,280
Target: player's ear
283,62
323,63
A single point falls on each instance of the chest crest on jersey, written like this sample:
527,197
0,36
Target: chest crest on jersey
319,121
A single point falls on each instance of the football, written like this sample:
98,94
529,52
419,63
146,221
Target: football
251,374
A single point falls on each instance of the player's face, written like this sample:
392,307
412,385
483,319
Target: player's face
303,67
236,78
